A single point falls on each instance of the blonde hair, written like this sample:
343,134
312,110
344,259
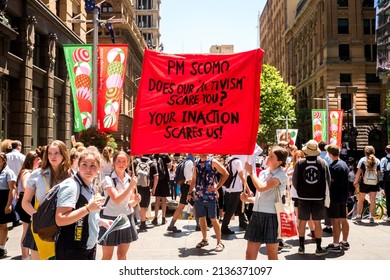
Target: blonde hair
107,153
369,151
91,150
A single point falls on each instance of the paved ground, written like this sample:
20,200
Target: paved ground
368,242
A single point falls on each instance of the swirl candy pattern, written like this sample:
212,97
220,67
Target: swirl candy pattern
87,119
81,54
82,68
111,107
317,115
109,120
113,93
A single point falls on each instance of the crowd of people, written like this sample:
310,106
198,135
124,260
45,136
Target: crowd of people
95,187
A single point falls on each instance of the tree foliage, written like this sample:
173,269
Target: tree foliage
93,137
276,103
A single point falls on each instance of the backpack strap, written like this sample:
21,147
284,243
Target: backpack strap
235,175
108,197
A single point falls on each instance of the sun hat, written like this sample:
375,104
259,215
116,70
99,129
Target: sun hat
311,148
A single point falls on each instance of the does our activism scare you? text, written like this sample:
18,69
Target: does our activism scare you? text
196,120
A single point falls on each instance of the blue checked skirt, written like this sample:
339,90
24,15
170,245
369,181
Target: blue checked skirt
115,238
263,228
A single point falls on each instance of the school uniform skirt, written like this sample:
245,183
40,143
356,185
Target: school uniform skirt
5,218
262,228
126,235
24,216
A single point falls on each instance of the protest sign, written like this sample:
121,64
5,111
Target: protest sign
197,103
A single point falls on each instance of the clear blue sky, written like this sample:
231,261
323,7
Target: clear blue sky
193,26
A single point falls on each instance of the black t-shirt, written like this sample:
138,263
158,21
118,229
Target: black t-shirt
339,181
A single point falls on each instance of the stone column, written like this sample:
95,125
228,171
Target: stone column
21,97
47,103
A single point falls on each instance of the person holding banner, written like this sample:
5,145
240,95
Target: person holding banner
77,212
263,225
121,194
205,196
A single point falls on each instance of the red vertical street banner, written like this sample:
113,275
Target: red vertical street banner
335,127
79,64
111,68
197,103
319,124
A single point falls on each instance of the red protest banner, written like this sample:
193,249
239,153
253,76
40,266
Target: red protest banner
112,70
197,103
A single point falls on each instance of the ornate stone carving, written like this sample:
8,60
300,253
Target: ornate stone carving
30,33
52,48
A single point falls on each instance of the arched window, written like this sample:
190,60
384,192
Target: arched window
107,8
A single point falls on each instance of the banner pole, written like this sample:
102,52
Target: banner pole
245,185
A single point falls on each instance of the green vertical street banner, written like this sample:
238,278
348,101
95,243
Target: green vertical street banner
79,64
319,127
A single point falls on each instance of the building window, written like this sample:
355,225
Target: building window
321,82
38,48
303,99
145,21
106,8
373,103
344,52
366,26
370,52
145,4
345,78
372,78
346,101
35,119
58,8
369,26
342,3
368,3
343,26
149,39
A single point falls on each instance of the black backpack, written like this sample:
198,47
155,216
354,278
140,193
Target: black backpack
44,221
386,171
231,180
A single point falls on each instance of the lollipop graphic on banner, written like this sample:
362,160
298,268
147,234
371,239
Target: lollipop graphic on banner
317,126
82,71
334,127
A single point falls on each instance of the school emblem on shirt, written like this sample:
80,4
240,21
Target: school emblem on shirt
311,174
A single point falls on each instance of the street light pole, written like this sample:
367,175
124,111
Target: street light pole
327,118
94,66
